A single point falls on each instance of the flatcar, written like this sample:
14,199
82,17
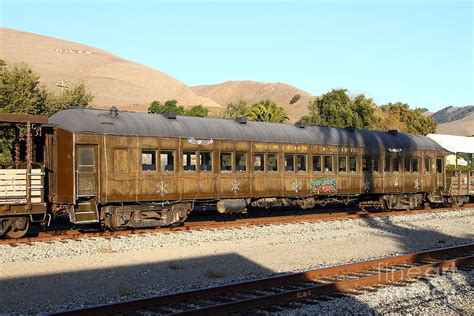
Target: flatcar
131,170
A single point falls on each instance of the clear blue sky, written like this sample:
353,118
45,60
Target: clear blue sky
416,52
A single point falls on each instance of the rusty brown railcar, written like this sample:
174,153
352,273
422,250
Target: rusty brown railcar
134,169
125,169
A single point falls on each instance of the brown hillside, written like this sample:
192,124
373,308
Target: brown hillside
111,79
462,127
253,92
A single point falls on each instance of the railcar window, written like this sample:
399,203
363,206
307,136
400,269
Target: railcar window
406,165
365,164
342,164
396,164
317,164
167,160
205,161
85,159
226,162
189,161
427,165
259,162
439,165
273,162
241,162
149,160
386,167
414,165
352,164
301,164
328,165
375,164
289,163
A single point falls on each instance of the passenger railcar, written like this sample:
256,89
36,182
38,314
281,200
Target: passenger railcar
125,169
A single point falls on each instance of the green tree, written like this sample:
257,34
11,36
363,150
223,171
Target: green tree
331,109
197,110
266,111
412,121
75,96
364,113
337,109
234,110
20,90
169,106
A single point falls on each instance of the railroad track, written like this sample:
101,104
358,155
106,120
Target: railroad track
218,223
297,288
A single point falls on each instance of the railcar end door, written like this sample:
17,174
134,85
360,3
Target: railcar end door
85,210
86,171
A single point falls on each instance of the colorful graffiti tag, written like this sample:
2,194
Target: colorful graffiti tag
324,186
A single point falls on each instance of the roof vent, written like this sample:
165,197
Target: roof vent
114,112
170,115
351,129
300,124
393,132
241,120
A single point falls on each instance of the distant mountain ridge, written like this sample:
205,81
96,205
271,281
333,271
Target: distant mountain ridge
451,113
111,79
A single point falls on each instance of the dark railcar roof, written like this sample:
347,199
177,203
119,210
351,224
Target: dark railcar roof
144,124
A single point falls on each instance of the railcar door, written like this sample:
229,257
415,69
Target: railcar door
85,210
86,171
440,172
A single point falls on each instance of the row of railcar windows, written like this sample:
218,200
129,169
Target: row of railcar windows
237,161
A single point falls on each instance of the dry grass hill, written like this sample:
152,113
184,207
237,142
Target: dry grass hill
253,92
111,79
462,127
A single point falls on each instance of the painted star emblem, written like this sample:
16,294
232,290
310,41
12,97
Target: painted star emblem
235,186
162,188
417,184
296,186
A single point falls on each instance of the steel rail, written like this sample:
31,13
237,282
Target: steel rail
221,224
277,290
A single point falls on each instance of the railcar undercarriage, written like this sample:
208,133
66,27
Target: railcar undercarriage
119,217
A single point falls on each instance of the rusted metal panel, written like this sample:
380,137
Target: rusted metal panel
22,209
64,171
87,139
23,118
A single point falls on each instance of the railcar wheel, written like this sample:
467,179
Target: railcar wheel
18,228
116,223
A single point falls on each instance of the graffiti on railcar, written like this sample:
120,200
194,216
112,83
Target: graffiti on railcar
324,186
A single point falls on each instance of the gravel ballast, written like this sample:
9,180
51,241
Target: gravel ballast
446,294
63,275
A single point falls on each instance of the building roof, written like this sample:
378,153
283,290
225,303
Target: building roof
454,144
144,124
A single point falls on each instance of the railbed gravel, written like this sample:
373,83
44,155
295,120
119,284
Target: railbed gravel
295,233
450,293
